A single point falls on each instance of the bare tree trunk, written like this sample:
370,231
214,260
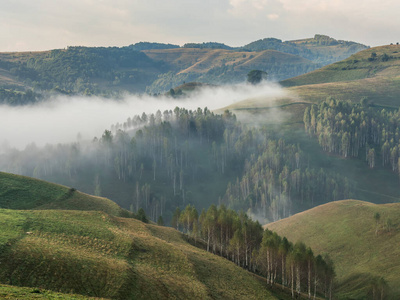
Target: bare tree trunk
315,285
292,274
309,278
283,270
298,288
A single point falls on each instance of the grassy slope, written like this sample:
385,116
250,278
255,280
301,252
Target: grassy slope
20,192
94,254
346,231
350,79
14,292
354,78
190,60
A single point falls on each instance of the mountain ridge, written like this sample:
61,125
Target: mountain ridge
110,71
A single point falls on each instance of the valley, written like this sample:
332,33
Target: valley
289,158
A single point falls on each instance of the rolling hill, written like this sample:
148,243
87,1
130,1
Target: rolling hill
362,248
222,66
155,68
320,48
70,242
373,73
95,254
20,192
16,292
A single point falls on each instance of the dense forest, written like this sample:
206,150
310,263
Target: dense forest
174,158
237,237
356,130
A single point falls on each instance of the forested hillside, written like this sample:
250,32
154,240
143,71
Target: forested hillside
160,161
356,130
28,77
321,48
237,237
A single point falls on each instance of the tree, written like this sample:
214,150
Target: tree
256,76
175,218
141,215
97,187
160,221
377,217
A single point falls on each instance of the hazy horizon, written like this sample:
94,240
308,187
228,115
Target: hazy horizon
45,25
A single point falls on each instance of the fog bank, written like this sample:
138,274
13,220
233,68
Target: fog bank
62,119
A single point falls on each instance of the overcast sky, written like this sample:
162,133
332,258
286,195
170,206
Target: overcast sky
28,25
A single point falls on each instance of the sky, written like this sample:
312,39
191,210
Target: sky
28,25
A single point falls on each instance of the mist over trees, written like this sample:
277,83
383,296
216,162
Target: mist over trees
177,157
356,130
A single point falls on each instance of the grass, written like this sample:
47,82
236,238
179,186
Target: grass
351,79
13,292
95,254
20,192
346,230
69,243
189,60
354,78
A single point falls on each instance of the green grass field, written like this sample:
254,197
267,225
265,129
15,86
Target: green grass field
360,248
14,292
95,254
21,192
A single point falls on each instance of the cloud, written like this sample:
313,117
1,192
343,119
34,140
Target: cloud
273,16
48,24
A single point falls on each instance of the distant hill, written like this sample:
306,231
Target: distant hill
320,49
208,45
220,66
362,248
149,46
27,77
373,73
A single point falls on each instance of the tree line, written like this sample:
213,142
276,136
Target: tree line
278,182
356,130
238,238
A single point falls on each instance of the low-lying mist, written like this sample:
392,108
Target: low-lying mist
63,119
